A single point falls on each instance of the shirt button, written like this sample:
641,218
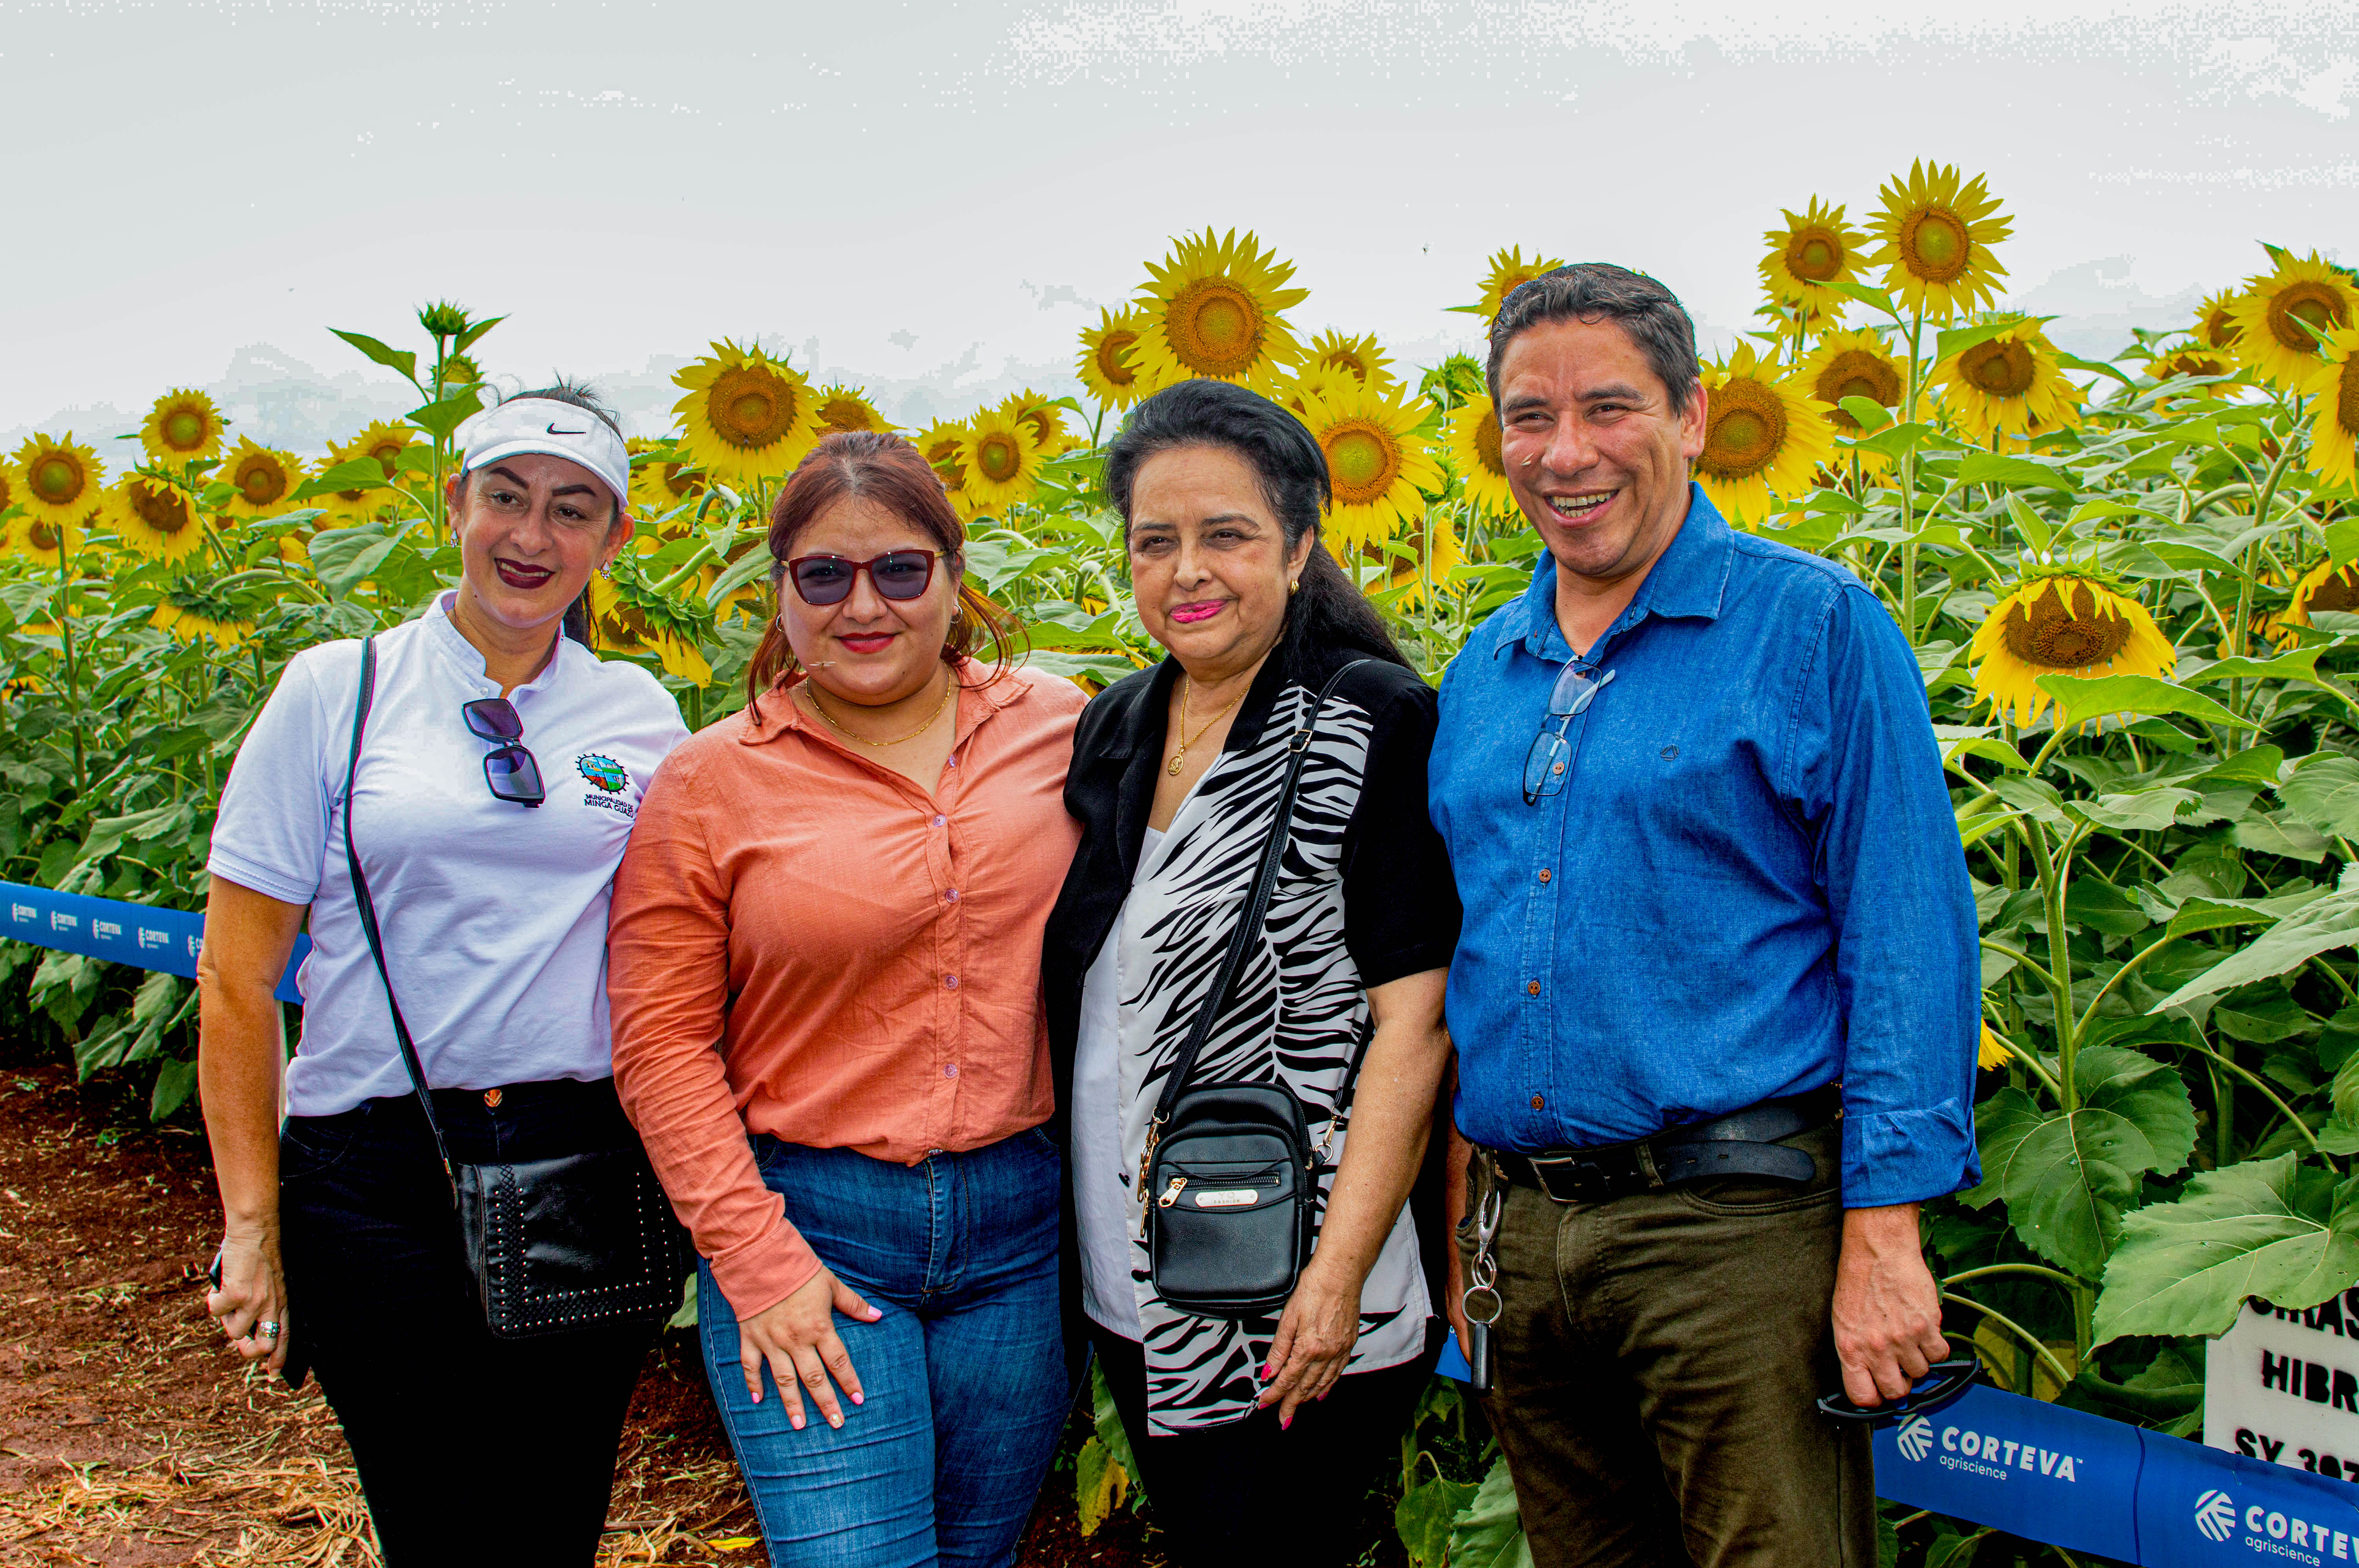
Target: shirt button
942,822
1558,768
950,896
950,982
1538,1103
950,1069
1546,873
1531,986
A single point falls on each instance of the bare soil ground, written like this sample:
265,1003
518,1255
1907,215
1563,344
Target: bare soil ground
129,1437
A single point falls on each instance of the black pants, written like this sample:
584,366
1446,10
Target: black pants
471,1449
1246,1492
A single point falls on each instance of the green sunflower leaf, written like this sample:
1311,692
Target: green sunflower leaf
2267,1227
2317,927
2096,696
2324,793
1488,1532
2068,1179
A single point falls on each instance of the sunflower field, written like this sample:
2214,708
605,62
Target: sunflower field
2132,585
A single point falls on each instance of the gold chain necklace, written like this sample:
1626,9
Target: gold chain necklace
1179,757
950,690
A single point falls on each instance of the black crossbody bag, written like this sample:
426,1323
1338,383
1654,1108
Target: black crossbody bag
1231,1177
565,1243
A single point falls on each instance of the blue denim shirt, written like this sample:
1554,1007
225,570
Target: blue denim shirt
1750,885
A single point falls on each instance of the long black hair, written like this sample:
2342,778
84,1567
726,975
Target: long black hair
585,397
1328,615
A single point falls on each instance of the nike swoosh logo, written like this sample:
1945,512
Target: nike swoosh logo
555,431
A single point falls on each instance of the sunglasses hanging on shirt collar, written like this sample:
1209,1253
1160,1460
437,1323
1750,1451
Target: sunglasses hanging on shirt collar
511,771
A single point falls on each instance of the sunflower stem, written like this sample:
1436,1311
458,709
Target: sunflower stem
1908,483
2053,870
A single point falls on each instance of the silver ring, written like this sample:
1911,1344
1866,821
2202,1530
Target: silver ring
265,1330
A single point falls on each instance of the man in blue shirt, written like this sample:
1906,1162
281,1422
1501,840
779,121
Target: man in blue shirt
1716,995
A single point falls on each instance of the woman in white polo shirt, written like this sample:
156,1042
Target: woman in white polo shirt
500,767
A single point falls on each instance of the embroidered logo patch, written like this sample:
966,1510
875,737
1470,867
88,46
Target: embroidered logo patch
604,772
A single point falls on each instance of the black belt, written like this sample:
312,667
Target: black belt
1741,1143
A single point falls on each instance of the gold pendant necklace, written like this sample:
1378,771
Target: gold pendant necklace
1179,757
950,690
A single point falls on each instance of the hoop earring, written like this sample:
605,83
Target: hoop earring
1293,587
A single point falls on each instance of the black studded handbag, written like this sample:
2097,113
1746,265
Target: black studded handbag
1231,1174
574,1241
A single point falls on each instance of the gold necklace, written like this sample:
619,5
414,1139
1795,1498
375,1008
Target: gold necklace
1180,756
950,690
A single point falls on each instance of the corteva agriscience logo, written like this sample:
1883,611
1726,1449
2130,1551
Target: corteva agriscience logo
1982,1453
2215,1515
2273,1534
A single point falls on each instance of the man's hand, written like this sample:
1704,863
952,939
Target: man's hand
1887,1310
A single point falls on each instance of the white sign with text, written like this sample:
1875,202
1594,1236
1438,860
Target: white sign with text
2284,1386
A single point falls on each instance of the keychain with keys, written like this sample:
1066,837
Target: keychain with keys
1480,1301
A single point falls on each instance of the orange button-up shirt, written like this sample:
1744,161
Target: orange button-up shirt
806,944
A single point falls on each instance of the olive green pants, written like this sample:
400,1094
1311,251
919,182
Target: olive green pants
1656,1360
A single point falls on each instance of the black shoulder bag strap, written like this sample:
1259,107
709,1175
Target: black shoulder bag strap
368,916
1249,922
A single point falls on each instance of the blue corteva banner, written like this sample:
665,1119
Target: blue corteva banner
2032,1469
2202,1508
134,934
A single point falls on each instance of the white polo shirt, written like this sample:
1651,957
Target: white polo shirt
494,915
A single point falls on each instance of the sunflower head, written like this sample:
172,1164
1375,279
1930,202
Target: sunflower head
443,319
1041,411
1509,271
1377,460
2009,384
844,409
629,616
999,460
2215,321
56,480
661,485
1361,358
1815,248
1213,310
1473,446
1993,1053
192,615
1852,364
261,478
1112,364
1938,235
2334,389
460,372
183,427
42,540
747,416
2190,361
2281,315
1764,436
158,520
2065,621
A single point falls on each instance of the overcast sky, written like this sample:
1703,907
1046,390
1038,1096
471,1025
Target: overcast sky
938,194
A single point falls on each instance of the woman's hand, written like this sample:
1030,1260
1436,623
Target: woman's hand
251,1302
1315,1336
796,1337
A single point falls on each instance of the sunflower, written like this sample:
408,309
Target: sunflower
260,478
661,486
2335,414
627,618
1473,446
2165,363
44,541
1040,411
2215,321
1376,461
192,615
2274,314
1001,457
2010,385
1110,365
847,409
1993,1053
944,445
61,480
2067,623
1213,310
1509,271
1814,249
1361,358
1763,437
748,416
460,373
349,506
1852,365
2325,587
1937,240
158,520
1431,538
182,426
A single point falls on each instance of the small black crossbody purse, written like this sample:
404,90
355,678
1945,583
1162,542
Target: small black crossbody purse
1230,1176
564,1243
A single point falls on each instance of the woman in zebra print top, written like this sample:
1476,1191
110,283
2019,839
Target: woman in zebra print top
1176,771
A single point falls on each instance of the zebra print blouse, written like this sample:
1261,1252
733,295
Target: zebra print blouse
1364,897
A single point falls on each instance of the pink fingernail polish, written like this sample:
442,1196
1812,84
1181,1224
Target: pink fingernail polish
1267,1374
858,1399
1284,1422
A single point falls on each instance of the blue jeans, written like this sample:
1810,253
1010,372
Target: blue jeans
963,1375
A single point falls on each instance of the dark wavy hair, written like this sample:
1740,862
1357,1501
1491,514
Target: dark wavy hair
874,466
1330,614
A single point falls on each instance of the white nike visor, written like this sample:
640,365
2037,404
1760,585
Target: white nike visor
557,429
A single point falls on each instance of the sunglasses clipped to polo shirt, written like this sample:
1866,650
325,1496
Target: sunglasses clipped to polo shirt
511,771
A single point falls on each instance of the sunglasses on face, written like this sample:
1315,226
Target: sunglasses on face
510,769
1551,753
899,574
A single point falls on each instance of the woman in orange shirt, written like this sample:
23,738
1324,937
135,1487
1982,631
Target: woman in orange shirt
843,889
